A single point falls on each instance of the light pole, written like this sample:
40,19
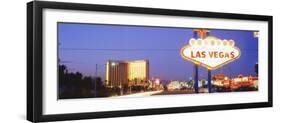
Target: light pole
96,76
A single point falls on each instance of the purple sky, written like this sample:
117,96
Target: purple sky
81,46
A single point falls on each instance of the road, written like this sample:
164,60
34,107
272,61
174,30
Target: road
141,94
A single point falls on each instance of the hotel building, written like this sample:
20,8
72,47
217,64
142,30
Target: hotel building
127,73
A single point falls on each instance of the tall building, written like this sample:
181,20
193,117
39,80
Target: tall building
127,73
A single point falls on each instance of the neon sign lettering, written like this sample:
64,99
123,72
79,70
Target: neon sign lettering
210,52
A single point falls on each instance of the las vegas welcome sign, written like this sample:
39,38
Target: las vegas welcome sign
210,52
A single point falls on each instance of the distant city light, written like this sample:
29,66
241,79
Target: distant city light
157,81
256,34
225,78
113,64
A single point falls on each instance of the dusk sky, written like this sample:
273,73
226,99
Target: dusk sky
82,46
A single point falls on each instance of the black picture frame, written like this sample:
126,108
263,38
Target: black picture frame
34,60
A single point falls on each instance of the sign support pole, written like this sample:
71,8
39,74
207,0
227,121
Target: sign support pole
196,88
209,81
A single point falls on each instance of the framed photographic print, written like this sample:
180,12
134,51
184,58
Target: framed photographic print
95,61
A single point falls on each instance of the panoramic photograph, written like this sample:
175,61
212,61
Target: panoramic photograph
116,61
